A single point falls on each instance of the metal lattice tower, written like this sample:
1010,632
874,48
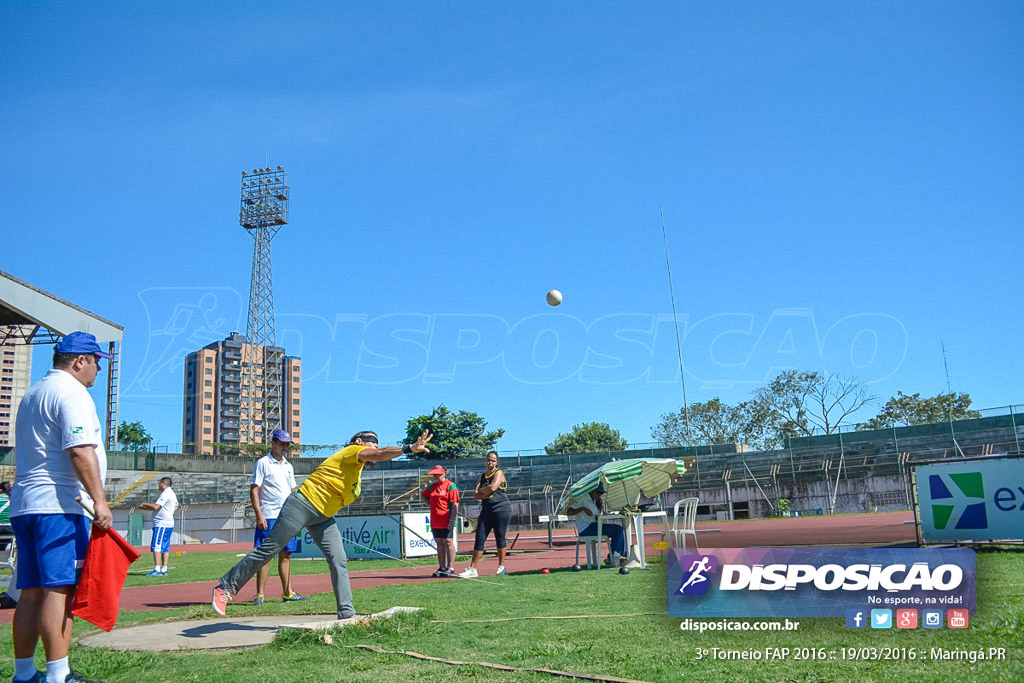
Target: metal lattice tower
264,209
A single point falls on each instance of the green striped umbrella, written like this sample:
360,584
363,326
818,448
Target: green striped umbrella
624,481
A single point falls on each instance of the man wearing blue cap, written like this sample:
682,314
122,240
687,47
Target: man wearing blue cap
59,457
273,480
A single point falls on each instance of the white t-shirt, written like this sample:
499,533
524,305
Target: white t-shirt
276,481
56,414
167,502
589,515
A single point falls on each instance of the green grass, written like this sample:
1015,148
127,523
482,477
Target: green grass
648,647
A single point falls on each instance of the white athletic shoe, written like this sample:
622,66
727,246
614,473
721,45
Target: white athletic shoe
501,570
469,573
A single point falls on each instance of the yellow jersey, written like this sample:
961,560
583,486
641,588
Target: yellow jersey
336,482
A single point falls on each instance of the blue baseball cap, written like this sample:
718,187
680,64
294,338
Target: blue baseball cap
81,342
282,436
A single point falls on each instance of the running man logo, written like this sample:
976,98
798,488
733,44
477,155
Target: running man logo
696,580
970,500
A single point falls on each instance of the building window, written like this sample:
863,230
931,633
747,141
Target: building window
208,383
295,424
208,371
207,430
209,359
207,394
207,406
295,401
207,418
295,390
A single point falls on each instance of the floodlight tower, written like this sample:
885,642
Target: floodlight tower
264,209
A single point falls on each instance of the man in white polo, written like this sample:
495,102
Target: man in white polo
273,480
58,457
163,526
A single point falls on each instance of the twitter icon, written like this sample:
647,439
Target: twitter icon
881,618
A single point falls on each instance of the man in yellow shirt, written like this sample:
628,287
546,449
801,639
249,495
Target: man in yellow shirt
332,486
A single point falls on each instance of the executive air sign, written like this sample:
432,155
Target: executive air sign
817,582
372,537
975,500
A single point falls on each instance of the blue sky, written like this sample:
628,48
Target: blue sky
841,185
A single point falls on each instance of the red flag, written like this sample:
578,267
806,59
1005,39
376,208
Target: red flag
106,568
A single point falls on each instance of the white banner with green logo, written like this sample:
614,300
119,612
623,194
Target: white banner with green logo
979,500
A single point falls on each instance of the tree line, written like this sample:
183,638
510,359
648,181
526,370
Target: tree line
800,403
793,404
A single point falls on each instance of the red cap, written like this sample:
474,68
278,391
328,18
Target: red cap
437,470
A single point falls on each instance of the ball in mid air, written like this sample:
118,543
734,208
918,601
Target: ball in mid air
554,297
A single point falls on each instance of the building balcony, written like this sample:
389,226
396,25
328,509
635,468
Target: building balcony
231,389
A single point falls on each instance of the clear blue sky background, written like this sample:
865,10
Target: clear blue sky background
841,182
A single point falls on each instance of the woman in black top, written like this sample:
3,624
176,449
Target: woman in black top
495,512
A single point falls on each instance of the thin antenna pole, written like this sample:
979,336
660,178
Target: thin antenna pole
945,364
675,320
949,410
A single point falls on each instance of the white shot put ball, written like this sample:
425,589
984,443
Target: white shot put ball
554,297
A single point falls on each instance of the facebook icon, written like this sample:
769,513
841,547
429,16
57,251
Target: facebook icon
856,618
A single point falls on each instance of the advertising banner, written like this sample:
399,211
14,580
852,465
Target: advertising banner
981,500
417,539
817,582
366,538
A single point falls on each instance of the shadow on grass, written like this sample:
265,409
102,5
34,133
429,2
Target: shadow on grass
211,629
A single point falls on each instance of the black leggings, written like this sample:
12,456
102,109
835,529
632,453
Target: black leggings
492,520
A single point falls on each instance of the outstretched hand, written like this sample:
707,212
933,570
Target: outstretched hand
421,443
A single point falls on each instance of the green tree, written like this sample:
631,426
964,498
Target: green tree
800,403
713,422
903,411
456,435
589,437
132,435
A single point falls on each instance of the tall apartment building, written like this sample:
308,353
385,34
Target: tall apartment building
217,383
15,377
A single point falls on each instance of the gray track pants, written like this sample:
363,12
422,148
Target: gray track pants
296,514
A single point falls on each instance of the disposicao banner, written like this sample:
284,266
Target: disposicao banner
817,582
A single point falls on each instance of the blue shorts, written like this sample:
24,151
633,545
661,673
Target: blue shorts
161,542
257,538
51,549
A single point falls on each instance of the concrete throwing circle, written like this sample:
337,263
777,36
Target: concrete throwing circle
205,634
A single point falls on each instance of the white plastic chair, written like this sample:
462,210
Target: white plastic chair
684,519
593,558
